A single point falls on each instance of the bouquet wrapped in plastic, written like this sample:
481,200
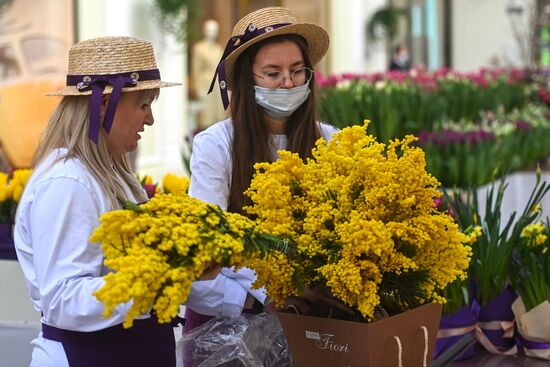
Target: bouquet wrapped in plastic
248,340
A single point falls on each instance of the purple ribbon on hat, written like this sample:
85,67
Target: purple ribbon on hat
97,84
234,43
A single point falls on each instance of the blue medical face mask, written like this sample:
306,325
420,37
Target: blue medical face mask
281,102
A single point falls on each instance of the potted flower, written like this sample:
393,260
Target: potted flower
487,295
11,189
530,276
362,227
460,314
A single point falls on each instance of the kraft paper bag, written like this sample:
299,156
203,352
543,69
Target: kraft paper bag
409,337
534,328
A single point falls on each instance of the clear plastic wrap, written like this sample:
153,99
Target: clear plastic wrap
246,341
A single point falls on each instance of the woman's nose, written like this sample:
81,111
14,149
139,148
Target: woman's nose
287,82
149,119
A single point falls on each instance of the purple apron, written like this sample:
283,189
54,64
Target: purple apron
192,320
146,343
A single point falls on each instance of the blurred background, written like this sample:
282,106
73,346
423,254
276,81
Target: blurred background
465,36
470,78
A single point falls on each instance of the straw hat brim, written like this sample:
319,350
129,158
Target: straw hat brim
146,84
315,36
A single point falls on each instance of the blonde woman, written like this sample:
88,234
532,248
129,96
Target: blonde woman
81,170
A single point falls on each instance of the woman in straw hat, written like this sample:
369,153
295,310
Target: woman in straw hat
267,64
81,170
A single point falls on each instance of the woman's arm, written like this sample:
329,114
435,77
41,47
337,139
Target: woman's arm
210,169
210,181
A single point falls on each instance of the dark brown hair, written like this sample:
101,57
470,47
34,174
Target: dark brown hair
250,132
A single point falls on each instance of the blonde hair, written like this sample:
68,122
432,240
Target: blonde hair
68,128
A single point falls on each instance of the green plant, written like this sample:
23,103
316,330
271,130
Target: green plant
186,152
462,153
492,250
530,267
403,107
178,17
410,104
387,18
4,4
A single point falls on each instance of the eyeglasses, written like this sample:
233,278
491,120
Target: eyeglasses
276,79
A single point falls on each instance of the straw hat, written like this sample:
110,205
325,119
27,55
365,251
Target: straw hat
258,26
265,20
110,65
111,56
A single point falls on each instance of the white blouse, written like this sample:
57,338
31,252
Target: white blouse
57,213
210,181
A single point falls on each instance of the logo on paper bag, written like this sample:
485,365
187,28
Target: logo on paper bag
326,342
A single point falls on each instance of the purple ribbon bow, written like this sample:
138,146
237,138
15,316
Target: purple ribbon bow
234,43
97,84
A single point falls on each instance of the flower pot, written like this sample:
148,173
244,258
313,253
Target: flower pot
409,337
534,329
496,323
7,248
453,327
6,235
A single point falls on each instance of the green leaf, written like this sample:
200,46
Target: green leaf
133,207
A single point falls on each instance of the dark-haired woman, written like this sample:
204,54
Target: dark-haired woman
268,66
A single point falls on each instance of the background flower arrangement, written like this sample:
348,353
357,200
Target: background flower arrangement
11,189
418,101
458,117
464,154
171,183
